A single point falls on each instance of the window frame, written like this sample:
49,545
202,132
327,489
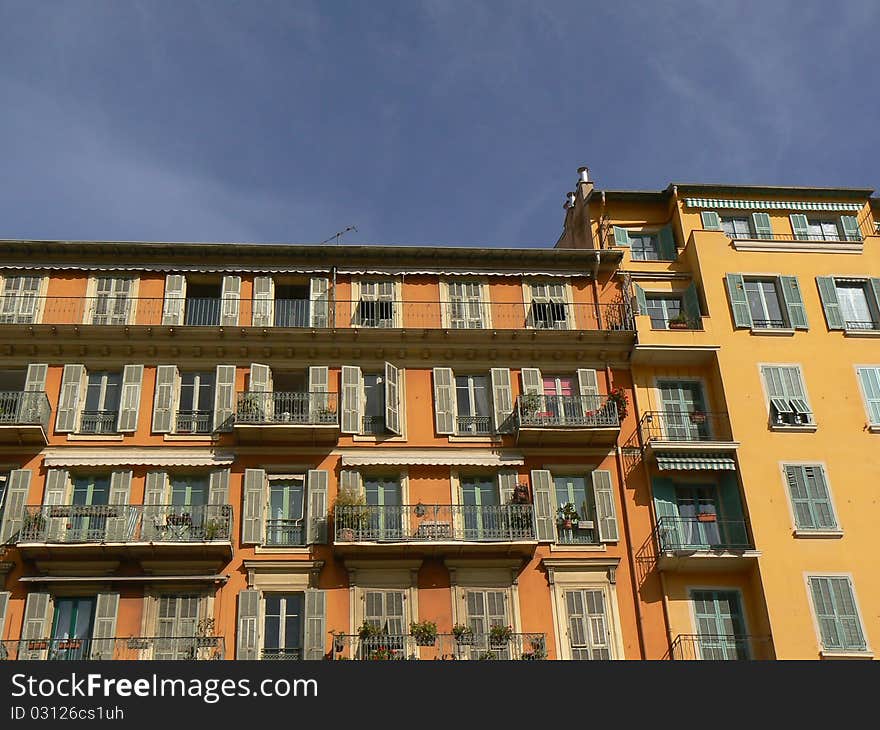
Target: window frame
665,298
811,422
653,237
873,425
780,303
836,530
823,650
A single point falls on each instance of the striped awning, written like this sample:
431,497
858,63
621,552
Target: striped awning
689,462
714,204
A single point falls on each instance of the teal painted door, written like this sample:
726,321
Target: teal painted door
384,496
72,628
694,500
720,625
481,501
680,400
89,524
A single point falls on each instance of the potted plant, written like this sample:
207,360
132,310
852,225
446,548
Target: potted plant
567,516
487,655
499,635
679,322
619,398
213,530
463,634
424,632
382,653
368,630
530,406
350,513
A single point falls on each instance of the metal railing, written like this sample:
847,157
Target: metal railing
473,425
24,408
195,422
768,324
720,647
373,424
212,312
285,532
689,426
126,523
581,534
705,532
570,411
401,647
752,236
433,523
98,422
287,408
183,648
288,655
859,324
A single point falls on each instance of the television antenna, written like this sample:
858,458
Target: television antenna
339,234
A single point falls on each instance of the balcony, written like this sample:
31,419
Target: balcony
445,647
285,416
689,440
703,542
285,533
550,419
288,655
85,530
24,418
98,422
720,647
435,528
183,648
202,312
194,422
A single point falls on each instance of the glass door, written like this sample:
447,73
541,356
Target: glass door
481,504
89,510
562,405
189,497
176,628
384,614
383,496
486,609
72,628
573,489
285,520
698,517
720,625
681,400
283,626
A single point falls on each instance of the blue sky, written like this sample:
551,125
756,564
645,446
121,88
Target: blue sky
420,121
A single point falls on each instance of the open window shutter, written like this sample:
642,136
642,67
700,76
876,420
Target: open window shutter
248,640
130,402
104,631
800,500
444,400
621,236
823,604
392,398
17,489
154,489
316,527
800,227
502,398
36,616
739,303
224,396
351,399
264,301
54,493
532,382
830,303
163,400
641,300
668,252
155,503
316,622
850,226
588,382
260,378
692,305
252,508
175,298
507,481
711,220
665,504
545,505
761,225
319,298
350,481
870,379
4,606
68,402
791,292
230,294
606,512
875,287
218,487
35,380
120,495
319,385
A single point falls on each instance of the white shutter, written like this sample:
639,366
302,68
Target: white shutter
319,301
68,402
17,490
444,400
532,382
104,631
164,398
316,624
260,379
545,505
588,382
230,295
4,605
319,385
130,402
155,504
606,512
507,481
218,487
248,639
55,493
392,398
316,527
120,495
502,398
252,509
175,298
351,399
35,380
350,481
36,616
224,396
264,301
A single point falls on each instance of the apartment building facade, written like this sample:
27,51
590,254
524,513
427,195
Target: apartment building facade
757,383
297,452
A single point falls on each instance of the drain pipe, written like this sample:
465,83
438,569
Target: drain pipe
596,262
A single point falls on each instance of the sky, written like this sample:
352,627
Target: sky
419,122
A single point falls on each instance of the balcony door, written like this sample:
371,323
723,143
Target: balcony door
473,404
72,628
284,525
189,498
694,500
88,523
102,403
573,489
485,609
588,633
720,625
560,396
283,626
481,504
384,497
111,303
680,399
176,627
385,611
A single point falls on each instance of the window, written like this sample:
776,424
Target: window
548,309
572,489
289,301
72,628
385,517
869,377
371,403
21,299
473,406
480,503
284,524
822,230
814,228
810,499
88,525
840,628
376,306
720,625
588,632
202,304
177,625
680,400
661,309
764,303
644,246
291,305
283,626
466,307
101,409
111,302
857,305
385,612
789,405
736,226
485,609
374,403
99,402
189,490
196,402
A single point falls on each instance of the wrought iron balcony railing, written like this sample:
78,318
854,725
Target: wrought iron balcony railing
296,313
720,647
24,408
98,422
184,648
433,523
373,424
126,523
195,422
444,647
816,238
283,408
285,532
703,532
473,425
862,324
567,411
290,655
685,426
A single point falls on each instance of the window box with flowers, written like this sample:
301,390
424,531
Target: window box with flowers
500,635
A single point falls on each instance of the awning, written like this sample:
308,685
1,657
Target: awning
768,204
686,462
424,457
161,456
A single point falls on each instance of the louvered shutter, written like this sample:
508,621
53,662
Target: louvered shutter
668,251
444,400
691,302
350,481
155,504
130,401
870,379
392,399
502,398
739,303
247,643
230,296
55,493
351,399
319,298
791,293
264,301
761,225
850,226
37,608
252,508
17,490
711,220
224,396
532,382
319,401
260,380
120,497
104,630
606,511
316,526
35,379
830,303
4,606
588,382
68,402
544,505
175,298
641,300
507,481
164,398
621,236
316,622
799,227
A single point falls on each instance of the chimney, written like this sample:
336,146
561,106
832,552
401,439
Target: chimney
569,200
584,184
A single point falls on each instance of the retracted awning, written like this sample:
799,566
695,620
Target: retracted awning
689,462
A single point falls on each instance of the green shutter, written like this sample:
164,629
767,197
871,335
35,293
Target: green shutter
711,220
641,300
834,603
247,642
850,226
316,527
761,225
791,293
799,227
875,287
739,303
316,622
830,303
621,236
4,605
870,379
692,306
733,521
664,497
668,251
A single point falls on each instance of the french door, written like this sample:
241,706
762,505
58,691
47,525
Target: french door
72,628
89,525
384,496
692,531
485,609
680,400
481,504
283,626
720,625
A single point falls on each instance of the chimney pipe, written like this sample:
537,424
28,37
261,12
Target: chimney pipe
583,174
569,200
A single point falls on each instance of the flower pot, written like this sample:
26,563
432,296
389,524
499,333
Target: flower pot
706,517
465,639
346,534
497,642
567,524
698,417
678,325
